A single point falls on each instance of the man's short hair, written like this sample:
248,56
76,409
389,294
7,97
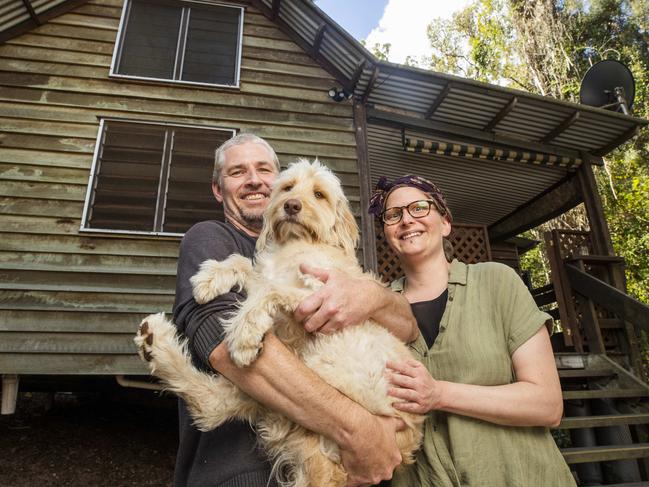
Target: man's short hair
219,155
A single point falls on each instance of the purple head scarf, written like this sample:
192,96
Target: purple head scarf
385,187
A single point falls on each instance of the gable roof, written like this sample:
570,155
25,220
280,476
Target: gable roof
19,16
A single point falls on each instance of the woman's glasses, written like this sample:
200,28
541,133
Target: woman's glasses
416,209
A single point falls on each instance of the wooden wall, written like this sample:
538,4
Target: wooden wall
70,301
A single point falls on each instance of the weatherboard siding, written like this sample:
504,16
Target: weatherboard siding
70,301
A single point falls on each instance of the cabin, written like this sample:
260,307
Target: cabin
112,110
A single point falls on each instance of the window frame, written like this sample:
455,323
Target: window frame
119,40
83,228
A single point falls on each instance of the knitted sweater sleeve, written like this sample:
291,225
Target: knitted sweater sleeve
201,323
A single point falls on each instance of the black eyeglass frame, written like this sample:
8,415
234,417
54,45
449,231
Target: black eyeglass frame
431,203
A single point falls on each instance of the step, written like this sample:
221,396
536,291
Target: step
586,373
606,393
587,454
603,420
628,484
597,259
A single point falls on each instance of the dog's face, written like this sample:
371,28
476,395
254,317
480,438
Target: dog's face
307,203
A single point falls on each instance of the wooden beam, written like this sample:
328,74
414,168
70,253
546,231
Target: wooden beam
317,41
32,12
439,100
629,134
600,235
501,114
341,77
562,127
358,72
444,129
556,200
43,17
367,222
370,85
275,9
609,297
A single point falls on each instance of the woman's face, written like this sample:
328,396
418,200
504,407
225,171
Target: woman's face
415,238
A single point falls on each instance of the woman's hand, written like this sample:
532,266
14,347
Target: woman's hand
414,386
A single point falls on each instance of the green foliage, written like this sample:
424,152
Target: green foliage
546,47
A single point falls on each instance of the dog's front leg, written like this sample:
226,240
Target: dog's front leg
245,330
219,277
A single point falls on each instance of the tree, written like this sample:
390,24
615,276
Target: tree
546,47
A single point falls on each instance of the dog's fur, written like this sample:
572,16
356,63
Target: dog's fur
323,233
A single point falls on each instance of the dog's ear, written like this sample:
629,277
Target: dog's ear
265,234
345,228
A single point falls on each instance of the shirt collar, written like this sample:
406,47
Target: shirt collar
458,273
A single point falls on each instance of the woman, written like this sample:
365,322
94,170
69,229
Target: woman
486,375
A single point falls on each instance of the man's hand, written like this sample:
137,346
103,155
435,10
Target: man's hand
372,454
343,301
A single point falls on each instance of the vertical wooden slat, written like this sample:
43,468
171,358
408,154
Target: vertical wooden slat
367,225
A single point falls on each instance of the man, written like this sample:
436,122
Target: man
244,171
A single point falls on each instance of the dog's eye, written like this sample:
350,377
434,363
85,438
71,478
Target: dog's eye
318,195
288,188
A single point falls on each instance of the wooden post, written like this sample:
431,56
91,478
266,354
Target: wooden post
600,235
9,393
367,224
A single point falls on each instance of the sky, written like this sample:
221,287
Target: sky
402,23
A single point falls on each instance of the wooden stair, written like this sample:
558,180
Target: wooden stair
589,379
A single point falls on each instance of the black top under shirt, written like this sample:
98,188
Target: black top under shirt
428,315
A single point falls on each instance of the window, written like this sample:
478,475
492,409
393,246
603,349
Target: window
152,178
179,41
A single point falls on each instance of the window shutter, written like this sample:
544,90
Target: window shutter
189,193
151,39
127,176
211,48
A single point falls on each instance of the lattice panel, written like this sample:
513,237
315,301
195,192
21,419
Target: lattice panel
470,245
574,242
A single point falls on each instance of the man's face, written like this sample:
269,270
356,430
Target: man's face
245,183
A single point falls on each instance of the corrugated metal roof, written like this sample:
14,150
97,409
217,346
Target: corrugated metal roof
467,103
18,16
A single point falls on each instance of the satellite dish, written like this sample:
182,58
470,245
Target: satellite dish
608,84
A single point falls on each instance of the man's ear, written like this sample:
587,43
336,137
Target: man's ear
216,191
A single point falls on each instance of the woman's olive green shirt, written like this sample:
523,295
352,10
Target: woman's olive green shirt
489,314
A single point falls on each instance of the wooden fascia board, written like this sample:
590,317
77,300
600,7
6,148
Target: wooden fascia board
501,114
43,17
556,200
562,127
444,129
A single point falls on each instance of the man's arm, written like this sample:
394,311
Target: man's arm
280,381
345,301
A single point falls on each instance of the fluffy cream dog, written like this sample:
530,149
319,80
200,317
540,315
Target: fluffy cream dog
308,220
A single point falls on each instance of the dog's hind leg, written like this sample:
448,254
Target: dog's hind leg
211,399
219,277
245,330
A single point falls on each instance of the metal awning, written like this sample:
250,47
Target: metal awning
444,148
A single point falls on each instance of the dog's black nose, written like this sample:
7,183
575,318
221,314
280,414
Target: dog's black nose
292,207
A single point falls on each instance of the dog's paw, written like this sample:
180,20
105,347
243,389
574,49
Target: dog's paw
245,337
208,282
144,339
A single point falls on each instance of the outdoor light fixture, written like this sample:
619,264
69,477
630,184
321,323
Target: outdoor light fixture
339,95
